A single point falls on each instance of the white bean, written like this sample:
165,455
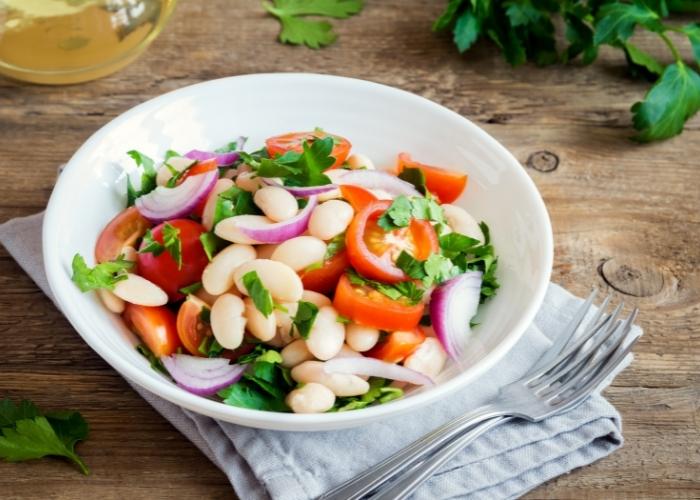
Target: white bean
276,202
310,398
330,218
177,164
361,338
327,335
300,252
461,222
248,181
429,358
276,341
280,280
217,277
258,325
265,251
227,321
360,161
317,299
342,384
138,290
347,352
111,301
210,205
295,353
229,230
284,321
333,175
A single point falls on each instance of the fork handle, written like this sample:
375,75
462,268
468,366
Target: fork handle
411,479
419,450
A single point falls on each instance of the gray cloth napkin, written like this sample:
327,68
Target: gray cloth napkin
507,462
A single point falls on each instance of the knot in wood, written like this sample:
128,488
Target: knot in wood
634,276
543,161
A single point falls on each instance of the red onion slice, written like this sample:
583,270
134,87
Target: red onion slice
452,305
375,179
222,159
304,191
170,203
202,376
281,231
376,368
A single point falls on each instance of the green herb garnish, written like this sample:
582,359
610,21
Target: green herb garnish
104,275
257,291
304,319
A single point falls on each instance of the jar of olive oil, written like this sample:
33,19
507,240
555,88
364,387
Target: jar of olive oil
70,41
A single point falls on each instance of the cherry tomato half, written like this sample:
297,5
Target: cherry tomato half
325,278
125,229
447,185
163,270
397,346
372,250
155,326
190,328
293,141
357,196
368,307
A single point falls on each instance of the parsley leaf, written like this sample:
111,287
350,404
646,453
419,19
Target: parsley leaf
154,360
189,289
304,318
211,244
410,265
151,245
104,275
257,291
334,246
172,243
210,347
416,177
403,209
234,201
436,269
379,392
148,177
692,31
27,435
407,289
617,20
313,34
301,169
668,104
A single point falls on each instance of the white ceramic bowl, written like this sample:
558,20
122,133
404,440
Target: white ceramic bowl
380,121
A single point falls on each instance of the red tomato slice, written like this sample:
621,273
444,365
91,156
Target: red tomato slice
358,197
191,330
125,229
201,167
155,326
324,279
368,307
163,270
397,346
372,250
447,185
293,141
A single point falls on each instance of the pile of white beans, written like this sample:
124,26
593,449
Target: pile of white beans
233,312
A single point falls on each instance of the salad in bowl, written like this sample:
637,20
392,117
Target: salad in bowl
297,277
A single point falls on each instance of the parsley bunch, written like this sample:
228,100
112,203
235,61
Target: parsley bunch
297,30
27,434
524,30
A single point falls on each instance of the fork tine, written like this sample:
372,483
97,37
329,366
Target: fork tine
596,361
563,338
559,363
584,391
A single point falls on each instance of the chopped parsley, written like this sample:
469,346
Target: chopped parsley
172,243
305,317
211,244
258,293
189,289
298,169
103,276
416,177
210,348
151,245
148,177
154,360
407,290
379,392
234,201
335,245
403,209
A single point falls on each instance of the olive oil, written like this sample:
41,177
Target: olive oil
70,41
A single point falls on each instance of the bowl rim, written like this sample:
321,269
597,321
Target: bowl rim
275,420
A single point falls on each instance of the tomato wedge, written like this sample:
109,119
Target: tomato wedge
156,326
397,346
447,185
368,307
358,197
201,167
324,279
372,250
293,141
125,229
163,270
190,328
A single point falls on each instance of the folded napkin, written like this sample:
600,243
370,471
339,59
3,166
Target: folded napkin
506,462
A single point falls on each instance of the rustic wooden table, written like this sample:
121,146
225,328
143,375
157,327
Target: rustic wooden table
625,217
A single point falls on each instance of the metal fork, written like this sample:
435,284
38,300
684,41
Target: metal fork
561,379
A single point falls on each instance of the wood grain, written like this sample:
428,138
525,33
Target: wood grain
625,217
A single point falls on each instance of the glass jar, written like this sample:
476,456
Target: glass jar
70,41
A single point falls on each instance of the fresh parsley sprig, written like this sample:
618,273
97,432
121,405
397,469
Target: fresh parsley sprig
298,169
103,276
257,291
305,317
297,30
403,209
524,30
148,172
171,243
406,290
26,433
